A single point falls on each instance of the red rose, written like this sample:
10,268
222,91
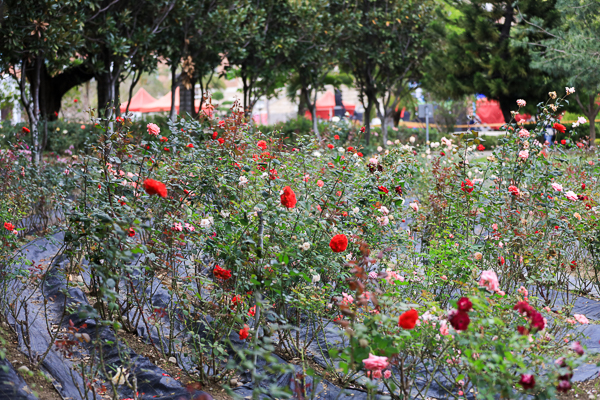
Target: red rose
221,140
244,332
383,189
330,146
527,381
221,273
466,186
9,227
191,146
398,190
408,320
582,186
338,243
563,142
481,147
288,198
362,129
262,144
25,129
336,137
460,321
131,232
464,304
75,101
564,386
155,187
215,134
442,153
559,127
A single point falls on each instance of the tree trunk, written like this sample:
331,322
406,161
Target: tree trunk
186,101
313,112
367,121
117,100
302,102
174,85
591,112
105,93
506,106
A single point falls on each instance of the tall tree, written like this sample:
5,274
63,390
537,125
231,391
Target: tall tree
482,54
39,39
388,41
572,50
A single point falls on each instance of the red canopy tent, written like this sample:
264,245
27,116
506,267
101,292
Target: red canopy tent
164,104
325,107
138,100
489,112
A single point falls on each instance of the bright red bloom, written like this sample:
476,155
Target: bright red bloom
398,190
559,127
481,147
155,187
9,227
25,129
164,139
330,146
221,140
244,332
362,129
221,273
464,304
262,144
288,198
235,300
408,319
583,186
563,142
215,134
336,137
466,186
131,232
191,146
527,381
514,190
75,101
460,321
383,189
339,243
252,311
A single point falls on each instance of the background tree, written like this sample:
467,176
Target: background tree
387,43
481,53
39,40
572,50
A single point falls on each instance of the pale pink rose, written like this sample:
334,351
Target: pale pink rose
557,186
375,363
383,221
387,374
495,227
444,331
523,133
522,290
571,195
524,154
376,374
521,103
414,206
581,319
501,292
489,279
153,129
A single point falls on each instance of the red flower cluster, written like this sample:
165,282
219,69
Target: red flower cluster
383,189
536,320
155,187
288,198
131,232
190,145
244,332
481,147
221,273
338,243
459,319
559,127
514,190
398,190
564,383
408,320
262,144
9,227
466,186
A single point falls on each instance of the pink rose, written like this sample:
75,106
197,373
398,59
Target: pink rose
521,103
375,363
153,129
489,279
444,331
557,186
523,133
571,195
376,374
320,183
581,319
387,374
524,154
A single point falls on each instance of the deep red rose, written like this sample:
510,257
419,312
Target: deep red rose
339,243
522,330
464,304
288,198
583,186
221,273
398,190
383,189
131,232
563,386
559,127
523,307
408,319
215,134
537,321
527,381
563,142
155,187
460,321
